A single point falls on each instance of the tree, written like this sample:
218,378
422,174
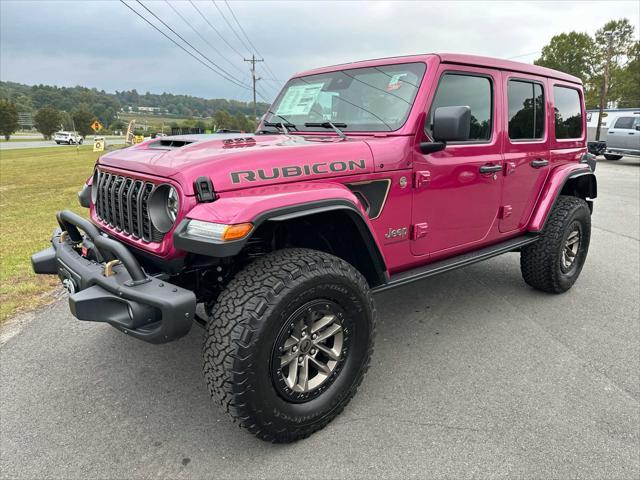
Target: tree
222,120
83,119
8,118
47,120
572,53
627,90
614,43
605,63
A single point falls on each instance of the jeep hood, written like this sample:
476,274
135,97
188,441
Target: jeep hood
235,161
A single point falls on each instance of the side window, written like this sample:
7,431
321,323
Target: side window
526,110
567,112
624,122
466,90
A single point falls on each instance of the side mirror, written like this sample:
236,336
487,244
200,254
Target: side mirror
451,124
638,127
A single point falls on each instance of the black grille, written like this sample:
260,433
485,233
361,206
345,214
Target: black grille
123,204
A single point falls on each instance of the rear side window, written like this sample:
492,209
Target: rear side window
526,110
624,122
567,112
470,91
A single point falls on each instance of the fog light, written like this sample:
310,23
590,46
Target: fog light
218,231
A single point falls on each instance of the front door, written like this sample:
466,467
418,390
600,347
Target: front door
457,190
526,148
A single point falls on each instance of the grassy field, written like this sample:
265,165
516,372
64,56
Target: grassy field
35,183
19,139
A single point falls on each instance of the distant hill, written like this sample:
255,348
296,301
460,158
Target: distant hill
105,106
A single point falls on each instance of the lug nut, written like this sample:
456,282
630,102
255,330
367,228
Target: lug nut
300,359
314,336
295,349
313,351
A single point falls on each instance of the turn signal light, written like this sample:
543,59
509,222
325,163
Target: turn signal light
218,231
236,232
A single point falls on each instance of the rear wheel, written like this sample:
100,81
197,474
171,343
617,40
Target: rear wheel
553,263
288,342
609,156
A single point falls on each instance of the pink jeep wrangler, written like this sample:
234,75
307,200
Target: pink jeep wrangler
360,178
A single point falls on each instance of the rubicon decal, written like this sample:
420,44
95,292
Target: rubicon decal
297,171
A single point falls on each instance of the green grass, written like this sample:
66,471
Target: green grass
14,139
35,183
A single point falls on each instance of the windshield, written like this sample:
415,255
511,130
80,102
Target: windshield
359,99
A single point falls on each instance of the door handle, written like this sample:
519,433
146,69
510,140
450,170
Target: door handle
490,168
539,163
632,133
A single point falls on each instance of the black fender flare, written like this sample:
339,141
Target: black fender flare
227,249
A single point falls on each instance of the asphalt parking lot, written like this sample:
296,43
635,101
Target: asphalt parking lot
474,375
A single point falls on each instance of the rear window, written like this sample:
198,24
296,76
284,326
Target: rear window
624,122
526,110
567,112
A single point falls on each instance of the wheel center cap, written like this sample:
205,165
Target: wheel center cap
305,345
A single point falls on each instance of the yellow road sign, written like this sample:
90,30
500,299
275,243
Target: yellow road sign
138,139
96,126
98,144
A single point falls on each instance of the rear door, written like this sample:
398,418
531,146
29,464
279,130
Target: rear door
526,147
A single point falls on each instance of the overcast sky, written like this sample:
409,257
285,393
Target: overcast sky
103,44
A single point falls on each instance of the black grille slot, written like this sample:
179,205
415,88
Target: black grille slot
123,204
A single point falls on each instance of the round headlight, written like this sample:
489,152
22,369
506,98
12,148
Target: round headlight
173,204
164,206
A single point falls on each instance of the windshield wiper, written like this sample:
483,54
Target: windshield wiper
284,126
328,124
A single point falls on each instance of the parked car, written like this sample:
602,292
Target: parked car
361,178
623,138
70,138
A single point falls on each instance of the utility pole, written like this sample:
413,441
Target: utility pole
253,60
605,80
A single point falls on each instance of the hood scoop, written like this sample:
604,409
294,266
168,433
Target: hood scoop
169,144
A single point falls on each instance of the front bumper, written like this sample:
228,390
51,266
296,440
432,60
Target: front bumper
111,287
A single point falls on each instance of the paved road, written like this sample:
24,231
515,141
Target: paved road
51,143
474,375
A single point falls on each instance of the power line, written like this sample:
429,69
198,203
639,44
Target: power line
216,30
231,27
231,77
180,46
249,40
524,55
238,69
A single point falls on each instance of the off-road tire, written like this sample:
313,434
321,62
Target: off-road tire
609,156
541,262
243,327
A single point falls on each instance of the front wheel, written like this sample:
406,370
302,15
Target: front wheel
554,262
609,156
80,142
288,343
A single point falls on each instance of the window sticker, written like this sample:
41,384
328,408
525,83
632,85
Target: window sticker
395,82
299,99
